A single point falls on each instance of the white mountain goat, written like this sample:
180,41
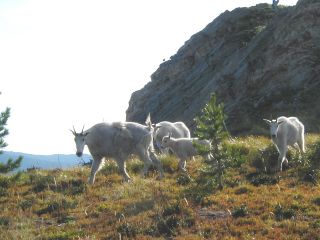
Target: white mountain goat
183,148
286,132
176,129
118,141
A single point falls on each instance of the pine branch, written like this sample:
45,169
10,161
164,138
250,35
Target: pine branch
11,164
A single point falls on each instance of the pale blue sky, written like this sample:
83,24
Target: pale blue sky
75,62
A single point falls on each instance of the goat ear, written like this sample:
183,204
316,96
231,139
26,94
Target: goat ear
280,122
156,127
267,121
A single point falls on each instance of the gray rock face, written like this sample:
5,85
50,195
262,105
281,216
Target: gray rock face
261,63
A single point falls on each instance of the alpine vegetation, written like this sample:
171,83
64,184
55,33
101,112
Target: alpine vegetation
10,164
210,125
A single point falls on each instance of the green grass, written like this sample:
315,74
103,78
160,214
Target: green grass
59,204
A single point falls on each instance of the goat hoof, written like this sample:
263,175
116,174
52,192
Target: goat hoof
127,180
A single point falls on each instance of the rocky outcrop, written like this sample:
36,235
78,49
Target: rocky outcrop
260,63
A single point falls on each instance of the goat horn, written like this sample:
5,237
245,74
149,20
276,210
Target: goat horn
266,120
82,129
73,131
148,120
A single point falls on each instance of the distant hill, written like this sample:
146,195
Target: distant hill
260,62
45,161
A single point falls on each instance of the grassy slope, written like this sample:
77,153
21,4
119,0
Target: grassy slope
59,205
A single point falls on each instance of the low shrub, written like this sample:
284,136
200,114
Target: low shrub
316,201
66,219
151,231
315,224
65,235
242,190
3,192
40,183
200,190
236,153
173,216
27,203
71,187
135,166
258,179
167,226
4,221
169,163
110,167
266,159
57,206
127,230
241,211
172,209
183,179
188,221
313,155
309,165
207,232
282,213
310,175
4,182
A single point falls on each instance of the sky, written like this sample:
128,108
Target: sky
66,63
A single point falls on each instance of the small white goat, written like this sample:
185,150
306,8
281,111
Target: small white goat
176,129
286,132
183,148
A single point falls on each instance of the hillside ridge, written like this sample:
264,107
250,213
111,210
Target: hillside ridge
48,161
261,63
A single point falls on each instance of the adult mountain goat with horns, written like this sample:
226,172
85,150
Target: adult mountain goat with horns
118,141
286,131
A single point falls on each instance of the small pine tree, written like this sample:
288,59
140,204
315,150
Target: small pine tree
11,164
210,125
